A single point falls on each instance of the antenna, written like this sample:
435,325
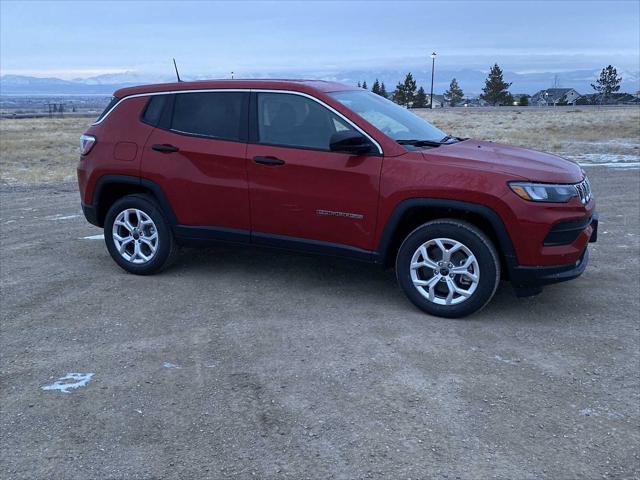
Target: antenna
176,67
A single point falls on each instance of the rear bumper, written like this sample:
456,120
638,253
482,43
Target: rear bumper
91,214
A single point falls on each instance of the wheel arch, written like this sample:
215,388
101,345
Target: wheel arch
410,214
109,188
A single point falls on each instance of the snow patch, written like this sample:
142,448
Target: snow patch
618,165
60,216
508,361
70,381
603,158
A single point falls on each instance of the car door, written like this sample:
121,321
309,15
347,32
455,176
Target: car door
197,155
299,190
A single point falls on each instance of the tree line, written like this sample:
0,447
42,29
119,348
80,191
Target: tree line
408,94
495,90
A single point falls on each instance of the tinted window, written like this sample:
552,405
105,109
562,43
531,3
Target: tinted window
214,114
112,102
296,121
154,109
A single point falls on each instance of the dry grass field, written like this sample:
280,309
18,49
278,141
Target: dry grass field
583,134
39,150
46,150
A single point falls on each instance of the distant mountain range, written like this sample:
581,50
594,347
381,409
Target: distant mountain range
470,80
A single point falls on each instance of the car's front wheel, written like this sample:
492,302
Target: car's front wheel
448,268
138,236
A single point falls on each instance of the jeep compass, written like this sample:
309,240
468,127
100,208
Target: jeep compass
327,168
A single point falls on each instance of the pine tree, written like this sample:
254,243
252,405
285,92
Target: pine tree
376,87
420,100
364,85
400,95
409,90
454,94
383,91
359,86
495,89
608,83
524,101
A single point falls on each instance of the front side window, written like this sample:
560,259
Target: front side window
296,121
393,120
211,114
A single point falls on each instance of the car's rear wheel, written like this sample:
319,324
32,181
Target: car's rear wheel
138,236
448,268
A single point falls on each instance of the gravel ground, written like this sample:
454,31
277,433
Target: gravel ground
243,363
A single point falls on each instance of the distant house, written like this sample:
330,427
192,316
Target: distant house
474,102
612,99
438,101
622,99
555,96
517,98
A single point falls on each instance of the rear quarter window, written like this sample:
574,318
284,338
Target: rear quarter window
109,106
153,109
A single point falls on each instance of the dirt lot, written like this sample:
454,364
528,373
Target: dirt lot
240,363
46,150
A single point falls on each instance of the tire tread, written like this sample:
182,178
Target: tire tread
474,231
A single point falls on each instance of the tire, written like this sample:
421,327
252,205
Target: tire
149,220
428,282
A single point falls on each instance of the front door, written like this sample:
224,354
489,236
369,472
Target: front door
298,188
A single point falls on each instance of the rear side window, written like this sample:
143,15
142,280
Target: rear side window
211,114
111,104
154,108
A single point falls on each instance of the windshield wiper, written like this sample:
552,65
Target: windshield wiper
420,143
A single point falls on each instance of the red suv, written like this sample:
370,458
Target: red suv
322,167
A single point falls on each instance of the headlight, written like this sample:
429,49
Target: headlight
544,192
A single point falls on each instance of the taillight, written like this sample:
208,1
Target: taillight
86,143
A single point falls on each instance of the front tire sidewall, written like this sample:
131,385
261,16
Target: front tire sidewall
165,238
480,246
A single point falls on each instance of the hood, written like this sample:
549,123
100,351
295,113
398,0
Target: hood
519,162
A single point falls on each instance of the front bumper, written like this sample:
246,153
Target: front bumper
528,280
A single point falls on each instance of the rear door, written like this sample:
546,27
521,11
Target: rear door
298,187
197,155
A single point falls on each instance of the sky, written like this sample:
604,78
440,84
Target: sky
82,39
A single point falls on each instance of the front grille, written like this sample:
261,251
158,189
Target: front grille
584,190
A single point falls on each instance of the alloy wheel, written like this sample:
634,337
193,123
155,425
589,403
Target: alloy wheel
445,271
135,236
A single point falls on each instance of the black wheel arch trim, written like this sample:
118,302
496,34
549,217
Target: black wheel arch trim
153,187
505,243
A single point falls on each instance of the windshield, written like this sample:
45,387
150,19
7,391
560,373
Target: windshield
395,121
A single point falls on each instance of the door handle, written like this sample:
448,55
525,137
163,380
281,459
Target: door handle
164,148
268,161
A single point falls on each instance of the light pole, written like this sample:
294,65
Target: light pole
433,66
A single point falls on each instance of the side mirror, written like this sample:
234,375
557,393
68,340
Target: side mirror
350,142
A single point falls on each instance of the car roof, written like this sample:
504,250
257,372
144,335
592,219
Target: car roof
308,86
